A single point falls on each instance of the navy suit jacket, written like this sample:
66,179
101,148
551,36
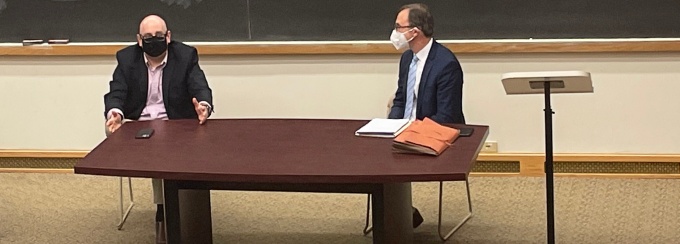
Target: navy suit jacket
183,80
440,92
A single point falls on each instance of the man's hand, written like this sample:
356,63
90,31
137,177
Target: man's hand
201,110
113,123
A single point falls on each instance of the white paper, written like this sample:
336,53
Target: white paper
382,127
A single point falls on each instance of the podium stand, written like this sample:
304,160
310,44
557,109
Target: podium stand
547,83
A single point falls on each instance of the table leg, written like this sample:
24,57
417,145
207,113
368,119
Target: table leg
172,217
393,214
196,220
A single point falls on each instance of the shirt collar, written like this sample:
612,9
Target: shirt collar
165,60
423,53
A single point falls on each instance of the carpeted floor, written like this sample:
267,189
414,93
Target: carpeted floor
67,208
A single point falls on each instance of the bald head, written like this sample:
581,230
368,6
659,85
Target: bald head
152,25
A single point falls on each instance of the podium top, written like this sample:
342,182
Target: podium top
560,82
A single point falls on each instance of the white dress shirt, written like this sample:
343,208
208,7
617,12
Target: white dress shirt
422,58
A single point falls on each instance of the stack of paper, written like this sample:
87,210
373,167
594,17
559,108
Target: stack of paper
388,128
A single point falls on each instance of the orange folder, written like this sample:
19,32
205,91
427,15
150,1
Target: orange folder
425,137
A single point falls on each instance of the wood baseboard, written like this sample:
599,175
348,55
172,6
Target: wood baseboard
5,153
34,170
531,164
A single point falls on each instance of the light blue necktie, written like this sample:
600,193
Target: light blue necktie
410,85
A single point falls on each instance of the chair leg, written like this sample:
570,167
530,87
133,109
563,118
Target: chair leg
368,227
469,215
125,213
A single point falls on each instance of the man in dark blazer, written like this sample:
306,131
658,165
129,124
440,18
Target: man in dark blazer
183,82
438,93
430,78
157,79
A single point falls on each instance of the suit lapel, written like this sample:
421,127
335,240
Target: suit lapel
143,73
428,67
167,76
425,77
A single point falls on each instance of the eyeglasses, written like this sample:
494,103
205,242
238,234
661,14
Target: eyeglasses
397,26
148,37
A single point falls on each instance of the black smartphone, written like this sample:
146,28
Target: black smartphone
144,133
464,132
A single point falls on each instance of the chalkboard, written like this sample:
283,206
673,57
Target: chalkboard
335,20
118,20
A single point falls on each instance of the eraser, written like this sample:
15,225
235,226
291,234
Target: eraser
28,42
58,41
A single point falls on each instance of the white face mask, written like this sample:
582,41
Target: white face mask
399,40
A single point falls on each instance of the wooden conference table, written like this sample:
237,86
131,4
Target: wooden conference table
298,155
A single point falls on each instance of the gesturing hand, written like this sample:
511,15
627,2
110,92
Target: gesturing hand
113,123
201,111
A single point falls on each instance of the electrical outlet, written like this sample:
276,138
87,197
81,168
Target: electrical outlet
490,147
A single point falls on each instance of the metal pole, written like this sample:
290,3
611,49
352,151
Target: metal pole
550,198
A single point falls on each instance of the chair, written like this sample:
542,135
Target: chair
124,212
368,227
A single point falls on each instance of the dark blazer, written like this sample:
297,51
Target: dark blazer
183,80
440,92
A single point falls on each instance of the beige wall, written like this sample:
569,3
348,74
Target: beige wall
56,103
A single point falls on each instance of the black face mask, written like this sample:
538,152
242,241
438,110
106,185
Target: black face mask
154,46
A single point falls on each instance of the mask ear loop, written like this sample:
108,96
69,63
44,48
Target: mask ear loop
412,29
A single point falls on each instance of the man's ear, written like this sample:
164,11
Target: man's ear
168,37
139,40
417,31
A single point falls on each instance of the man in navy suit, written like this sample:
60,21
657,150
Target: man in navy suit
435,88
430,78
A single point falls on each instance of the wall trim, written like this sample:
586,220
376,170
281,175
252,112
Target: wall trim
8,153
531,164
33,170
566,157
316,48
